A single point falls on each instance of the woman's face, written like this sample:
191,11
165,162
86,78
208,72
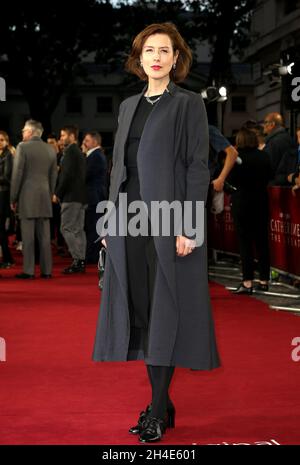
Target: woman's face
157,56
3,142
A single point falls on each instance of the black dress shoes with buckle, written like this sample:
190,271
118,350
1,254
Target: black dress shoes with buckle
143,415
153,429
242,289
24,276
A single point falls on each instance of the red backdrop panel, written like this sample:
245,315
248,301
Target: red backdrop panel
284,229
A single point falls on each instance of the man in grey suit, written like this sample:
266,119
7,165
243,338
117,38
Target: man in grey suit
32,186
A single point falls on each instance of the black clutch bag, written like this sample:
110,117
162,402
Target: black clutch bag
101,266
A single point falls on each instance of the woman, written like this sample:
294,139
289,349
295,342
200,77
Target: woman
155,303
5,177
250,209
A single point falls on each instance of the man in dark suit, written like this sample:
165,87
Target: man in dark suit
71,193
32,186
96,182
281,148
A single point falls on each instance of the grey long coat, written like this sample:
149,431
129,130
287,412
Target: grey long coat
34,178
172,165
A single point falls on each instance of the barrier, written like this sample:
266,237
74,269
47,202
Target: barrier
284,230
284,239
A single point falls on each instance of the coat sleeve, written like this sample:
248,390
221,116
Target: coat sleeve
53,175
196,156
17,173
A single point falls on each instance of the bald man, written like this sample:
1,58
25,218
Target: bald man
281,148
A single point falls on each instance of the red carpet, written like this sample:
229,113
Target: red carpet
52,392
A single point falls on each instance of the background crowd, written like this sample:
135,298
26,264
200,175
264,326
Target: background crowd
49,191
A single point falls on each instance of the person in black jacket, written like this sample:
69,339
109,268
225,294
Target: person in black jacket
281,148
250,209
96,182
71,193
6,162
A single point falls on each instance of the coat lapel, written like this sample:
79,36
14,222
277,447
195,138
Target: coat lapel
127,120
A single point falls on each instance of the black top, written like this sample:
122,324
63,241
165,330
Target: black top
6,163
131,185
71,186
252,176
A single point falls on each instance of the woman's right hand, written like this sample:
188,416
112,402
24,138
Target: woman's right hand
103,242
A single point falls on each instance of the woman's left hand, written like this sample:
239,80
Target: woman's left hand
184,246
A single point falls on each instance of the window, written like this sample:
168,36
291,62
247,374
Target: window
104,105
238,103
74,104
289,6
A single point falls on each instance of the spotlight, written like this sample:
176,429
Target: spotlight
223,91
287,69
214,94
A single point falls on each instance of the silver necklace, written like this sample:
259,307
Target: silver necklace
152,101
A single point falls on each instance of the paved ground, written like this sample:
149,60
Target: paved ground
226,271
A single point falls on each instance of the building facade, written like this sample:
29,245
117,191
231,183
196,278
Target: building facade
275,33
93,102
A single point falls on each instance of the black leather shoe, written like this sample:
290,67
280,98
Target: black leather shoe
46,276
146,413
153,429
143,415
24,276
78,266
243,290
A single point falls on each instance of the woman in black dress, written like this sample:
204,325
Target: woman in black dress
250,209
5,177
160,154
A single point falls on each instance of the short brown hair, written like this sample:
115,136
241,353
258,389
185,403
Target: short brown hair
246,139
184,60
95,135
71,129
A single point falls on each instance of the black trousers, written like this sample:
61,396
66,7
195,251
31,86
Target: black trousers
141,269
4,214
251,219
6,255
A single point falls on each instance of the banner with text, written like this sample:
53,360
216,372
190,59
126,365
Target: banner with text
284,230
